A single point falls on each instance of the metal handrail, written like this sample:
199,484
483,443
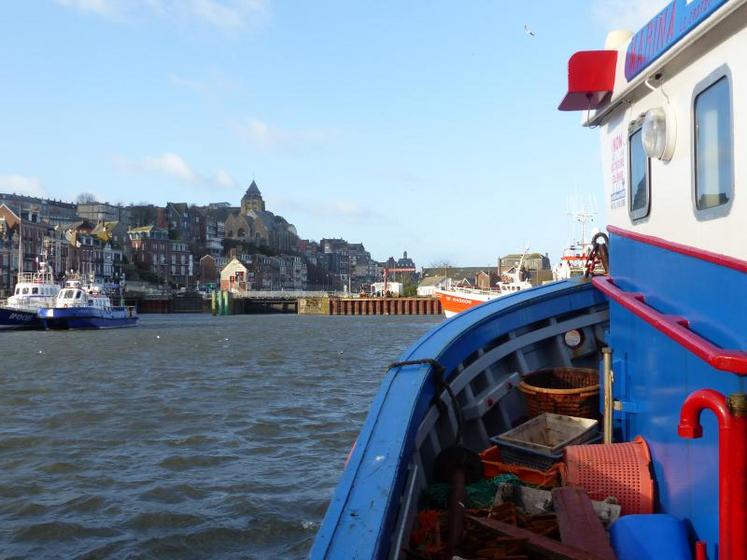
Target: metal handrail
675,327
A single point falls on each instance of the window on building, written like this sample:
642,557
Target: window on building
714,170
639,171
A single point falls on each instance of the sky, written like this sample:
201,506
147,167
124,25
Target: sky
429,126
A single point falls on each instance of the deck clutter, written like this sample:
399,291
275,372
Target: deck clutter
547,489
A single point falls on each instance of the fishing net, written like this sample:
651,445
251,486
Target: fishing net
480,495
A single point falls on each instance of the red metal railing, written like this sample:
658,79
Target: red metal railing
675,327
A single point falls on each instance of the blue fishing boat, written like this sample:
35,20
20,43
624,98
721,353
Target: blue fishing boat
663,327
80,306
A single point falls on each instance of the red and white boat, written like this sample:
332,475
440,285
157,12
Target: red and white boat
456,299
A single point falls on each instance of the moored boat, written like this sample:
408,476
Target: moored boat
667,349
85,306
33,291
457,299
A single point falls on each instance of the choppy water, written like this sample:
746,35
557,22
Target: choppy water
186,437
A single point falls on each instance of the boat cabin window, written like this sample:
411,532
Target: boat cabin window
714,170
25,291
34,290
77,294
639,171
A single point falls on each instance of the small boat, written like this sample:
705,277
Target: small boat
33,291
85,306
457,298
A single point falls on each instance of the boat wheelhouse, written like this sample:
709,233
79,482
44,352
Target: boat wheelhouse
665,326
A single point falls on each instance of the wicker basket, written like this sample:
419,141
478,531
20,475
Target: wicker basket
569,391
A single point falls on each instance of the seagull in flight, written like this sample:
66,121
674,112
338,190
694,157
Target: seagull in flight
528,31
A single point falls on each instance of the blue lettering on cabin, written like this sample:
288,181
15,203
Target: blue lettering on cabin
667,27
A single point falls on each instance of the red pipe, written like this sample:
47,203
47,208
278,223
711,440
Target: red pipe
731,414
700,551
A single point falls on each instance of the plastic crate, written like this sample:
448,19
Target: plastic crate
540,442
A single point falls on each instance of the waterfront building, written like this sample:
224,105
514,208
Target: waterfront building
149,246
33,234
208,270
293,272
428,286
457,275
486,279
181,265
536,266
143,215
255,225
53,212
405,261
252,200
237,276
103,212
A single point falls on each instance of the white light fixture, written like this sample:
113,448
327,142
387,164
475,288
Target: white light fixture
658,134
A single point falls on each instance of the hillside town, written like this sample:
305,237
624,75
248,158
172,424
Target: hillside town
182,246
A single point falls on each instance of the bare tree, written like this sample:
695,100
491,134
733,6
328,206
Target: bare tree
441,267
85,198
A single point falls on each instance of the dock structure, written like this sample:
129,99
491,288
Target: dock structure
225,303
385,306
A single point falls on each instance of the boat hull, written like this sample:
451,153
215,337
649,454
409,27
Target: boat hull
453,302
375,504
11,318
87,318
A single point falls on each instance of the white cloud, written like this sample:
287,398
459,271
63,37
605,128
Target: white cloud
212,81
170,164
224,14
106,8
269,137
30,186
223,179
625,14
234,14
175,166
331,210
187,83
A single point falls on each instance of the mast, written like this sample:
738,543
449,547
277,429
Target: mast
20,242
517,274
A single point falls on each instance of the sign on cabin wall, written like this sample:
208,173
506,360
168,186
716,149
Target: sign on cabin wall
667,27
617,173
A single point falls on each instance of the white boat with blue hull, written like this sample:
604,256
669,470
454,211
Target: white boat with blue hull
33,291
85,307
669,104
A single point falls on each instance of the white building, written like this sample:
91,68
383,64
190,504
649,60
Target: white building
392,288
428,286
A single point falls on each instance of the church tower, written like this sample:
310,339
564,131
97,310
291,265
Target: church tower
252,200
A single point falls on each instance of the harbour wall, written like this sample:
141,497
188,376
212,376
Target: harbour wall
225,304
